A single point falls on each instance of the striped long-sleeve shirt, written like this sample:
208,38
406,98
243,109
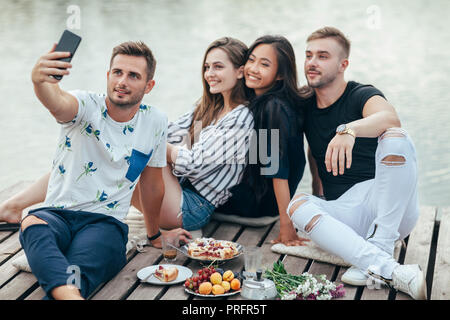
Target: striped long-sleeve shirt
216,161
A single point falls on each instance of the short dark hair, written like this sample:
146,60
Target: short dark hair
137,49
332,32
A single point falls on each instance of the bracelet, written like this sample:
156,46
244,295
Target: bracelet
154,237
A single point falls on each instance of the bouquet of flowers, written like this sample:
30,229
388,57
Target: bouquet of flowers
303,287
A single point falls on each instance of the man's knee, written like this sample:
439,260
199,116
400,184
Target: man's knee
297,201
394,159
31,220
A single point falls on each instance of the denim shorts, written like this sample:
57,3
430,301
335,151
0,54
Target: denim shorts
196,209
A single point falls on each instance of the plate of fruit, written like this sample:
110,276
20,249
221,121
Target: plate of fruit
213,282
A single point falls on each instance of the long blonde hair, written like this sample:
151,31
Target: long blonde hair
210,105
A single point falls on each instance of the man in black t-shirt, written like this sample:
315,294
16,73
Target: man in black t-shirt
367,169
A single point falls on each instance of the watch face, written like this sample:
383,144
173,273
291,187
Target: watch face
340,128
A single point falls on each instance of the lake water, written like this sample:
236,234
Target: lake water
400,46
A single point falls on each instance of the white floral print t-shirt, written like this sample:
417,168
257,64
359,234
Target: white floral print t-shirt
98,161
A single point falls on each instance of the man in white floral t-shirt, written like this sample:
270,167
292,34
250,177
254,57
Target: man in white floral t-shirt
107,144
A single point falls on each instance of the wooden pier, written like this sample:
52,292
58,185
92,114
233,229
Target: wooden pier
428,245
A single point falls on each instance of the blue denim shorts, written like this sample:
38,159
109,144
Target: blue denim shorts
196,210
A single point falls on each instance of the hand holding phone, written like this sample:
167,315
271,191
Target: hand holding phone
68,43
52,66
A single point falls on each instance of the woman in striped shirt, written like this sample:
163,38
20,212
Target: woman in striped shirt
207,146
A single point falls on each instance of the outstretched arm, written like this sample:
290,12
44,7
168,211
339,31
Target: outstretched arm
61,104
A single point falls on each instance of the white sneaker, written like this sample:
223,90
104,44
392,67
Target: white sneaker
411,280
354,277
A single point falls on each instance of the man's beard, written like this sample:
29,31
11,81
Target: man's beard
132,101
323,81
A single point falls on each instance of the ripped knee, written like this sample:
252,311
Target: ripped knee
29,221
393,160
312,223
296,202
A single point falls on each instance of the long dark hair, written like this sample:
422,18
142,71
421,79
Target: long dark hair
286,89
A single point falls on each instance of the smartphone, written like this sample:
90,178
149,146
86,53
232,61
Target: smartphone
68,43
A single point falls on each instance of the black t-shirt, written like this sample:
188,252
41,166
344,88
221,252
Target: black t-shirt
273,113
320,128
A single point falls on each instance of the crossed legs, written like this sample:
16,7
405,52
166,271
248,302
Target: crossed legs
363,231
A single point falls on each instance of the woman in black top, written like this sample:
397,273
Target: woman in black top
269,184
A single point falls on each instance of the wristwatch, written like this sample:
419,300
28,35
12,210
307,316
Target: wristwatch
342,129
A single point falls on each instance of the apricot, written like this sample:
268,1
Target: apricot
228,275
205,288
226,285
217,289
235,284
215,278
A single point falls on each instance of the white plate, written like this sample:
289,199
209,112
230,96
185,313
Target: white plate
183,274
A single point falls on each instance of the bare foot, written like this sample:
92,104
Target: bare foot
9,212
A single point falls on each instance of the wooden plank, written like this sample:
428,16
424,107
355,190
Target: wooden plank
37,294
350,291
4,235
7,270
441,279
318,267
9,247
269,257
295,265
17,286
124,281
419,243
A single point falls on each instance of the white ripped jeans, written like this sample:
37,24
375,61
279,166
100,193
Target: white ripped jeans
363,224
